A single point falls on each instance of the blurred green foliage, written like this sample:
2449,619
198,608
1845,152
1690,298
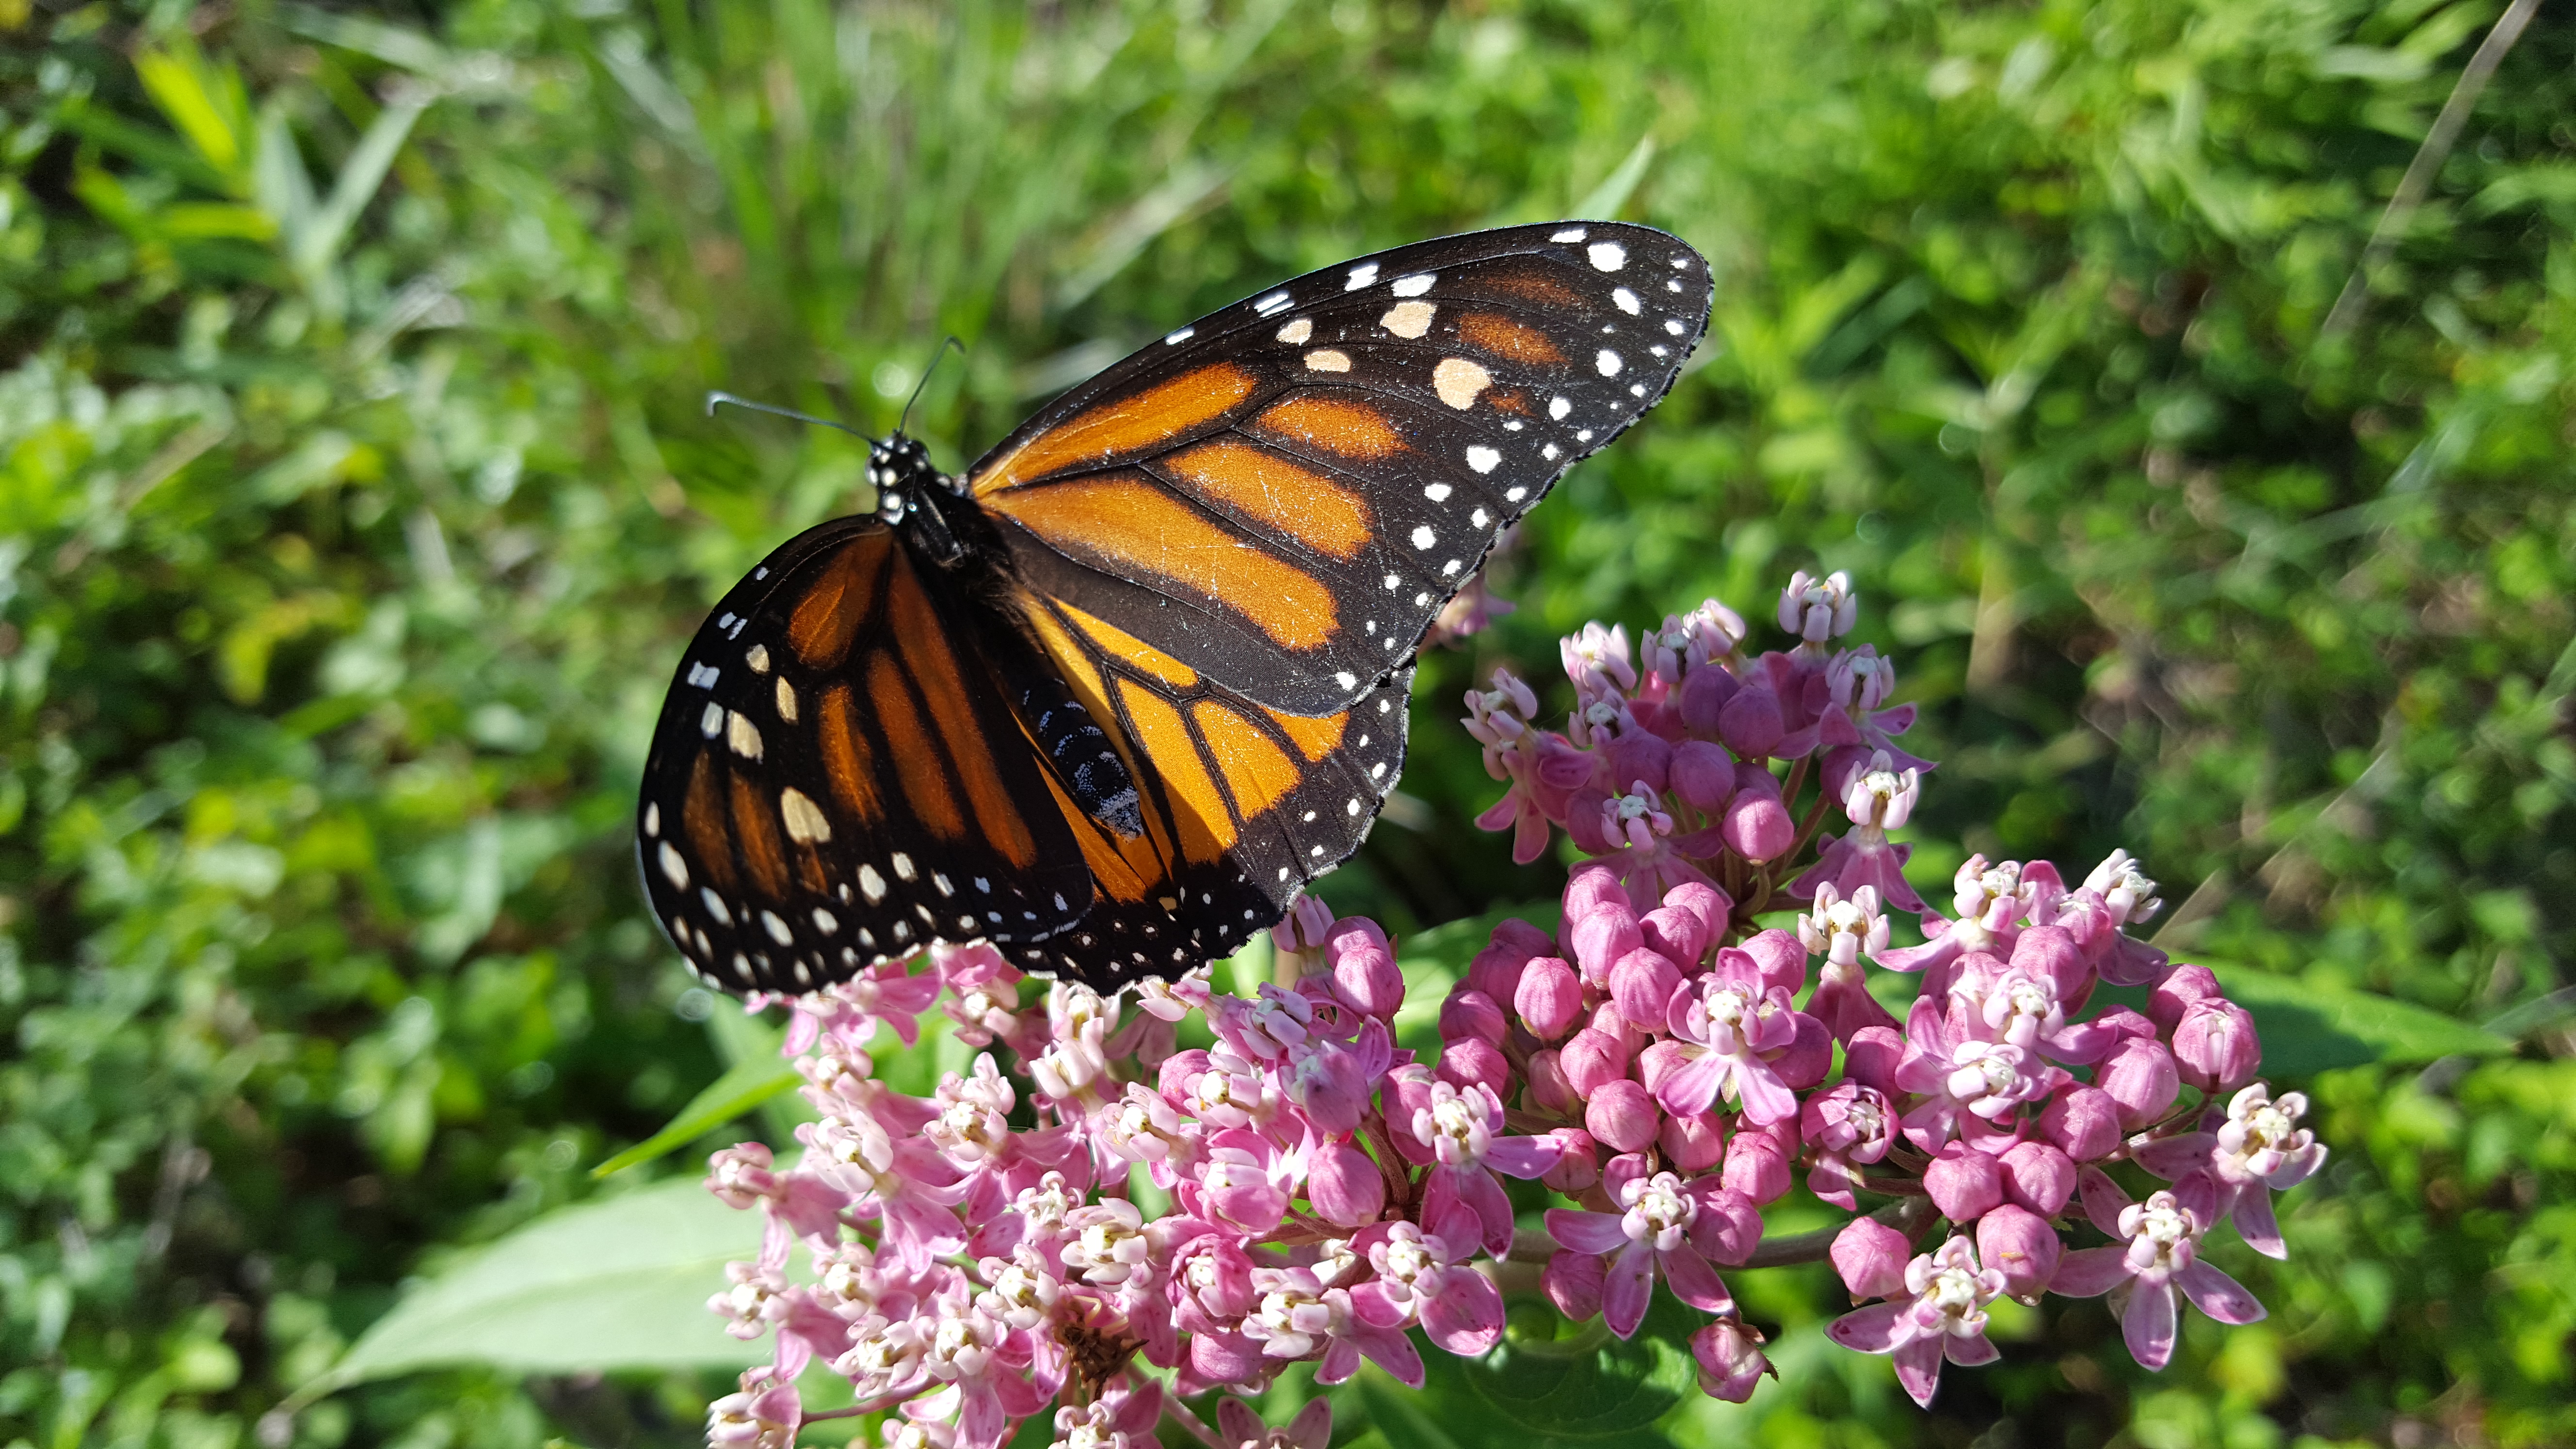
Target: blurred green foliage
355,494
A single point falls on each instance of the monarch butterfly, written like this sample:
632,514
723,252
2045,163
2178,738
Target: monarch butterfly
1111,697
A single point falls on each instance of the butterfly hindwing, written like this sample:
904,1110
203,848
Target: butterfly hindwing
839,777
1241,805
1284,494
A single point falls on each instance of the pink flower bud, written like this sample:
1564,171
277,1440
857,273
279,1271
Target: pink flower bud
1871,1257
1578,1162
1572,1281
1622,1115
1643,983
1548,999
1592,1060
2050,951
1965,1184
1639,755
1365,976
2021,1246
1757,1164
2140,1076
1604,932
1781,958
1709,906
1469,1012
1731,1364
1702,775
1750,722
1694,1143
1472,1060
1871,1056
2038,1176
2121,1021
1756,825
1676,933
2083,1122
1808,1058
1345,1185
1548,1089
1705,693
1496,971
2216,1047
1660,1060
2185,985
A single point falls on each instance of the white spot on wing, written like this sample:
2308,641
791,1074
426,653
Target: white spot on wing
1326,359
1607,256
1361,276
1607,363
1458,381
653,820
711,720
702,676
1437,493
757,656
1570,234
903,866
786,701
743,735
1626,299
1673,325
1408,319
1412,286
805,822
871,884
1346,679
1483,459
825,921
1557,408
1271,303
715,906
1297,332
1423,537
674,869
777,928
1175,339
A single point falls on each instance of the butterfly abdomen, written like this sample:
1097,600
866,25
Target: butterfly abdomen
1091,771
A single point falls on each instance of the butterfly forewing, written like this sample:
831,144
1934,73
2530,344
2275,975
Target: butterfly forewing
1285,493
839,777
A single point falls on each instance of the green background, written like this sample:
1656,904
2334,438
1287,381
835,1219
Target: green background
355,495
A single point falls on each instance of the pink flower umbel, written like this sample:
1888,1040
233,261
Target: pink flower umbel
1941,1313
1653,1231
2161,1253
1325,1168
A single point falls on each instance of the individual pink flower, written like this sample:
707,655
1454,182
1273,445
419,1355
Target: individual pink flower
1736,1025
760,1416
1419,1281
980,1387
2128,898
1846,1129
2159,1252
1819,609
1243,1183
1843,931
1121,1418
1991,902
1941,1315
2258,1148
1298,1316
1652,1231
1730,1359
1857,684
1881,799
1463,1133
1965,1083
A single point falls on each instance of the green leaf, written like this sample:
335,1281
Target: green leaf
617,1284
745,1086
2309,1028
1590,1388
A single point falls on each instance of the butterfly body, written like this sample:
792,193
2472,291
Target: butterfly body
1112,696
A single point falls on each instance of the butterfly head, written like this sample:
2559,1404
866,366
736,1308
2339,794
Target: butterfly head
899,468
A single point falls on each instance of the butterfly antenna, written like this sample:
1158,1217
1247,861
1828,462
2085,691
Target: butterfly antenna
925,378
715,398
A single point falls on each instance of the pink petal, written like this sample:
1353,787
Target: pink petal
1969,1352
1766,1098
1464,1314
1691,1091
1874,1329
1371,1303
2219,1296
2255,1223
1485,1196
1341,1360
2091,1272
1523,1157
2103,1200
1586,1232
1391,1351
1237,1423
1631,1281
2174,1157
1692,1280
1918,1367
2148,1325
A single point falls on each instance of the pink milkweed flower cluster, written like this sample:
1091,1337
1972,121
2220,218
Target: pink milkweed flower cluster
1100,1223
